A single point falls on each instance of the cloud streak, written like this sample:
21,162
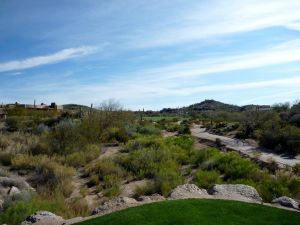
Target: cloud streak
227,18
286,52
62,55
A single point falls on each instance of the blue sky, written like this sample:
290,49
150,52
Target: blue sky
150,53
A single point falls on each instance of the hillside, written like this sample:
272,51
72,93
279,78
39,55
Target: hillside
215,106
212,105
196,212
75,107
204,106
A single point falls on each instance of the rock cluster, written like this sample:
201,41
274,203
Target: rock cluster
151,198
114,205
188,191
239,192
43,218
286,202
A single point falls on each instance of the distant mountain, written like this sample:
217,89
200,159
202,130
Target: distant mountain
212,105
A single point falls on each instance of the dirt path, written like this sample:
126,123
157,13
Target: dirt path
79,182
245,148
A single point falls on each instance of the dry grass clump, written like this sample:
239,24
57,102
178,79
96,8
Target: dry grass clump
47,172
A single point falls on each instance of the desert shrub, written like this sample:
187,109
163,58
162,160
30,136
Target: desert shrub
4,141
14,123
78,207
94,180
147,189
76,159
185,142
144,163
9,200
118,135
47,172
234,167
19,142
279,137
106,173
206,156
270,188
104,167
5,158
63,139
144,142
172,127
205,179
111,185
4,172
294,187
148,129
296,169
184,129
167,178
17,212
81,158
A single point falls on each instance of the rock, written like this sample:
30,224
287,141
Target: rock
286,201
239,192
13,191
1,204
43,218
188,191
17,182
114,205
151,198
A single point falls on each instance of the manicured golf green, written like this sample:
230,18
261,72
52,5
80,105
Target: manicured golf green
198,212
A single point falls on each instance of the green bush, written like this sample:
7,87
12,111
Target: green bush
234,167
18,211
81,158
205,179
148,130
296,169
185,142
107,174
118,135
167,178
205,156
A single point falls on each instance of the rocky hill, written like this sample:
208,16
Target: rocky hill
205,106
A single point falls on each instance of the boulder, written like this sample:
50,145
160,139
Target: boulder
286,202
239,192
114,205
43,218
151,198
13,191
188,191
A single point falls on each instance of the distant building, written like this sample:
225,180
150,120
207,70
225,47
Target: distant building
57,107
42,106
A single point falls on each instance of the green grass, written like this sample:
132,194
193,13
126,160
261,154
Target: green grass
197,212
158,118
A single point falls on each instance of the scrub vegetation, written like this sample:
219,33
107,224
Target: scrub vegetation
50,149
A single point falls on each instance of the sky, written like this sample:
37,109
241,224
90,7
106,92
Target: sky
150,54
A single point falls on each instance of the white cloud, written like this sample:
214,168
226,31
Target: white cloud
62,55
283,53
217,18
